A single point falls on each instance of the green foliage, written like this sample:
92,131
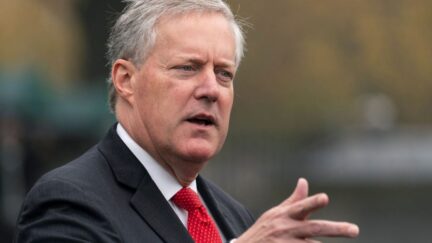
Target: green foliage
309,62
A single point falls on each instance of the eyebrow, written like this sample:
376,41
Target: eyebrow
198,60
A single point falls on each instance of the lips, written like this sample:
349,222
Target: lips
203,120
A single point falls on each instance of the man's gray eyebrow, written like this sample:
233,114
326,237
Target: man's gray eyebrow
197,60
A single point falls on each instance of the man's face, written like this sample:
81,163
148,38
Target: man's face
184,90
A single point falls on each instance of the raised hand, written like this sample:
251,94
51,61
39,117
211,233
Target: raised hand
289,221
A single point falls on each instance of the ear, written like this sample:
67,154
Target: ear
122,75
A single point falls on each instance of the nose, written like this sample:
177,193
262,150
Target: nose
208,88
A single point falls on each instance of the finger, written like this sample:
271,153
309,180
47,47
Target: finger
319,228
302,209
300,192
312,241
303,241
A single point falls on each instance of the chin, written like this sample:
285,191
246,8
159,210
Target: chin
200,153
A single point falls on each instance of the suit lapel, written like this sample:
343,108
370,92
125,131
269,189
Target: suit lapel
220,213
147,200
152,206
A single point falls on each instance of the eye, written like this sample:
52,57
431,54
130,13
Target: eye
225,75
186,68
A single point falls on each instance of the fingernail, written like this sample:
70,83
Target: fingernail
324,198
354,230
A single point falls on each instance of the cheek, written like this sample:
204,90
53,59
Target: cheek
227,101
149,106
164,107
151,95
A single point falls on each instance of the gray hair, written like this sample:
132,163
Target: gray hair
133,34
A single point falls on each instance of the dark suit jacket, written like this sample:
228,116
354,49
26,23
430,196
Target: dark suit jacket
106,195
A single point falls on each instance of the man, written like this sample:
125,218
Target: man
171,88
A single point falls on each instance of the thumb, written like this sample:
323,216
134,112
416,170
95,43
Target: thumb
300,192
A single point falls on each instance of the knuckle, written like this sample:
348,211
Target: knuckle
315,228
278,230
302,209
271,213
277,212
298,210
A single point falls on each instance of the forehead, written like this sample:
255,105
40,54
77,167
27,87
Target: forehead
194,30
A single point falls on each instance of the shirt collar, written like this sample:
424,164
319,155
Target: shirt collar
166,183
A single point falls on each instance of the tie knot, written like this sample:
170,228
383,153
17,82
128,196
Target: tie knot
187,199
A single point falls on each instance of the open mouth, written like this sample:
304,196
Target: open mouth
202,120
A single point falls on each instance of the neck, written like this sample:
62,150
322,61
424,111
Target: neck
185,172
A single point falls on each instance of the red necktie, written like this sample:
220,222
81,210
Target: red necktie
199,224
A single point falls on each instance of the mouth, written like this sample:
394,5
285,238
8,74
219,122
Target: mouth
202,120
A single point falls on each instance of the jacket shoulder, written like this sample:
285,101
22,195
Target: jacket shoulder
65,203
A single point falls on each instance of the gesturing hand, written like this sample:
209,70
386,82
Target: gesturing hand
288,222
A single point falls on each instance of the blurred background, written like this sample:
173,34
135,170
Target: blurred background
337,91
